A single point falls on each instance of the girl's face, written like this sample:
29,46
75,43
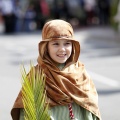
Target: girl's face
60,50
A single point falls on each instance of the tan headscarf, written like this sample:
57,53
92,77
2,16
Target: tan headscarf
72,83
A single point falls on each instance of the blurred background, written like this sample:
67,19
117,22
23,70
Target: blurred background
30,15
96,25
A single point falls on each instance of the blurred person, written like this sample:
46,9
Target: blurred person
83,18
75,12
117,16
7,10
21,6
45,11
60,9
71,93
42,11
90,8
104,11
19,15
2,26
29,19
44,8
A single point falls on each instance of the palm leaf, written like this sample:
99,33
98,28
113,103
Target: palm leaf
34,95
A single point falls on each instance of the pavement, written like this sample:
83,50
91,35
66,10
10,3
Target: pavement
100,52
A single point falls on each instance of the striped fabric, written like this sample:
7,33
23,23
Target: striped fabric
62,113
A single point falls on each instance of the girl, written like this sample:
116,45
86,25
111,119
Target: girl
70,90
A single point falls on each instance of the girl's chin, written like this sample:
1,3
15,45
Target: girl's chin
60,62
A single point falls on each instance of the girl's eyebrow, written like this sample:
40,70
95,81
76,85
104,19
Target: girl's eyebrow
68,41
54,41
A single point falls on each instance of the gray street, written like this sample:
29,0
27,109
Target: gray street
100,52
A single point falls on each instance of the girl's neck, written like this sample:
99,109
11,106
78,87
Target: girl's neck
61,65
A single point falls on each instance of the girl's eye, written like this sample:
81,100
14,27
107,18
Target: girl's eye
55,43
68,43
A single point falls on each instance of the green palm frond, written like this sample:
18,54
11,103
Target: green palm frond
33,95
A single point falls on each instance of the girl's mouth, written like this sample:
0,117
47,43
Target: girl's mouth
61,55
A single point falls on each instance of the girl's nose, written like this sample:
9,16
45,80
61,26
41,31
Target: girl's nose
62,48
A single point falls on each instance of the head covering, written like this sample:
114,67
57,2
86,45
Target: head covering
58,30
72,83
